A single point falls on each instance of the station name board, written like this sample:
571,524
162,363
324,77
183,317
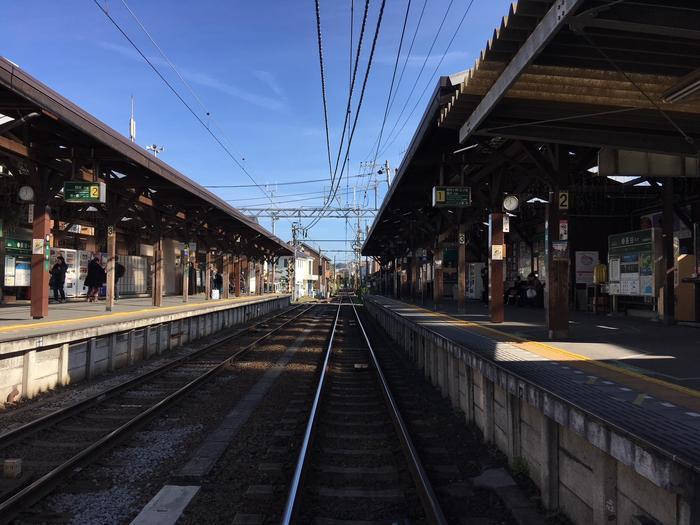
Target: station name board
452,196
78,191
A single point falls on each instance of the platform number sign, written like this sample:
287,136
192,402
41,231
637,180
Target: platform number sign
564,200
79,191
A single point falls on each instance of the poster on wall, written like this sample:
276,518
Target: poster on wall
586,261
9,270
23,271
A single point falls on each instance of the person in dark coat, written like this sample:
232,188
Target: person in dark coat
118,274
58,279
94,279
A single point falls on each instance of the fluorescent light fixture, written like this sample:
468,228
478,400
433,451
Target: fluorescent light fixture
687,87
536,200
465,149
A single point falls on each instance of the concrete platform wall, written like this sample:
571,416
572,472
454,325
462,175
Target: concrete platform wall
69,357
592,472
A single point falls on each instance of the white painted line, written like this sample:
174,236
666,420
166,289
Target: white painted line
577,372
667,404
608,383
566,367
625,389
606,327
692,414
167,506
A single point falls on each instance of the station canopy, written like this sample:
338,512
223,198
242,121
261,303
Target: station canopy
597,77
46,140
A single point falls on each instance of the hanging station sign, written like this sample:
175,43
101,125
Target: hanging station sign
452,196
78,191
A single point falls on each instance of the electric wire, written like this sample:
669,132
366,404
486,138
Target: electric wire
422,68
430,79
403,67
359,104
393,78
181,99
323,86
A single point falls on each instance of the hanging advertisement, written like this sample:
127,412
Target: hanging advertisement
10,270
586,261
631,258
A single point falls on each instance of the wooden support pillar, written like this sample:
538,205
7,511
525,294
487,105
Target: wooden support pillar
415,270
437,276
496,264
258,278
158,272
395,278
669,255
111,266
207,275
237,276
461,270
557,289
272,264
41,229
226,275
186,273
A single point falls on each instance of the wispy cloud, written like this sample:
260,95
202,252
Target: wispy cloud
432,60
208,81
269,79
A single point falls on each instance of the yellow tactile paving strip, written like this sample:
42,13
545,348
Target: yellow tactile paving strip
116,315
646,385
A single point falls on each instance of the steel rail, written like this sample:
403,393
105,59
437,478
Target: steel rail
10,507
431,505
12,436
293,496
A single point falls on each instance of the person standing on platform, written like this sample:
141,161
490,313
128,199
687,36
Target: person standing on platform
58,279
218,282
118,274
94,279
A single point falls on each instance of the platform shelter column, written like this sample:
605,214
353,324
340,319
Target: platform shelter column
668,221
225,271
111,265
557,264
157,279
41,228
415,269
496,261
237,276
461,269
437,276
185,273
207,275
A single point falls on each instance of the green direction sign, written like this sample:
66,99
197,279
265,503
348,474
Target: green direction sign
452,196
636,241
78,191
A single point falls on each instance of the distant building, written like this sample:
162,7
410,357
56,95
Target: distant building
311,275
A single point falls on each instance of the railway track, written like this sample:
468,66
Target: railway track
55,445
357,461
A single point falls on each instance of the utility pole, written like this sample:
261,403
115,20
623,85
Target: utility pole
132,122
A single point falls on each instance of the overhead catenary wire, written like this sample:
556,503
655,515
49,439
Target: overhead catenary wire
393,78
359,104
291,183
422,68
181,99
430,79
350,93
323,85
405,63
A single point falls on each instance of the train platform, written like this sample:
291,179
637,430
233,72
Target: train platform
637,345
15,321
627,372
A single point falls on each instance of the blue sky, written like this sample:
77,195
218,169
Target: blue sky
255,67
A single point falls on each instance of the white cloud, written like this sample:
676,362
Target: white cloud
204,79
